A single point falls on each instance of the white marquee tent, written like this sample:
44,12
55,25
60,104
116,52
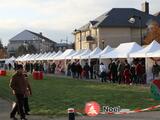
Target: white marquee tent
53,56
24,57
10,60
45,56
153,54
123,50
66,53
49,56
93,53
154,46
35,56
75,54
28,58
40,57
106,50
85,52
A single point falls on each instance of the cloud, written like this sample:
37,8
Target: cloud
57,15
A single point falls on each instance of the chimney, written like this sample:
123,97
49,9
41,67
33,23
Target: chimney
145,7
40,33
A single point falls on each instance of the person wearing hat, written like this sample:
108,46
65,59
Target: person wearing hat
18,84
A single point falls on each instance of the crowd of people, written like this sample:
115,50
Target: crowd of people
38,66
116,71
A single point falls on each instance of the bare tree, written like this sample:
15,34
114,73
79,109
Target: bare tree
153,33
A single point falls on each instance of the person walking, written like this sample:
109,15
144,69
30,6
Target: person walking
120,70
18,84
91,71
103,73
114,72
155,70
86,69
127,75
139,72
79,70
27,94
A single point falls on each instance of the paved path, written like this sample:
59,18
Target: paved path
6,106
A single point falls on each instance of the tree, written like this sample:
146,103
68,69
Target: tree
31,49
153,33
21,50
3,53
26,49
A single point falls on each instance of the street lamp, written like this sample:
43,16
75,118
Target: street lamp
103,43
132,20
80,37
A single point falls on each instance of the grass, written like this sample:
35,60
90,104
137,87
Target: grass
54,95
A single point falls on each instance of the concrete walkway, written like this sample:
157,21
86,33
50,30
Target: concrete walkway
5,108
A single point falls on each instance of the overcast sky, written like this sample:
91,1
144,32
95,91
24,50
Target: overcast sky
56,19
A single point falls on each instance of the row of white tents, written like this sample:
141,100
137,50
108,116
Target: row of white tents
124,50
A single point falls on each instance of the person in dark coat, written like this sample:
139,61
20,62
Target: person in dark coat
113,71
10,66
120,70
73,69
19,86
86,69
139,72
133,73
32,67
53,67
155,70
127,75
79,70
91,71
69,69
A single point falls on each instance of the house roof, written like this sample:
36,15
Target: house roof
27,35
118,17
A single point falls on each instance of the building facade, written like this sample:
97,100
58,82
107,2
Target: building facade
115,27
40,42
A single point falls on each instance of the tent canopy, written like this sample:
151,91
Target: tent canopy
10,60
106,50
75,54
123,50
93,53
55,55
45,56
49,56
154,46
66,53
35,56
84,52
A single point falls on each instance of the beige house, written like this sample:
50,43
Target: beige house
117,26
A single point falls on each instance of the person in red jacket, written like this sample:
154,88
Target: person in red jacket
127,75
139,72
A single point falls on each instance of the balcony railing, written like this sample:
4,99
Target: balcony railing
89,38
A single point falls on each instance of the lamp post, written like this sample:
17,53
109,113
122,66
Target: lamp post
132,20
103,43
80,40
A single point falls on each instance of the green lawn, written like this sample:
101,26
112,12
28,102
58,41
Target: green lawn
53,95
